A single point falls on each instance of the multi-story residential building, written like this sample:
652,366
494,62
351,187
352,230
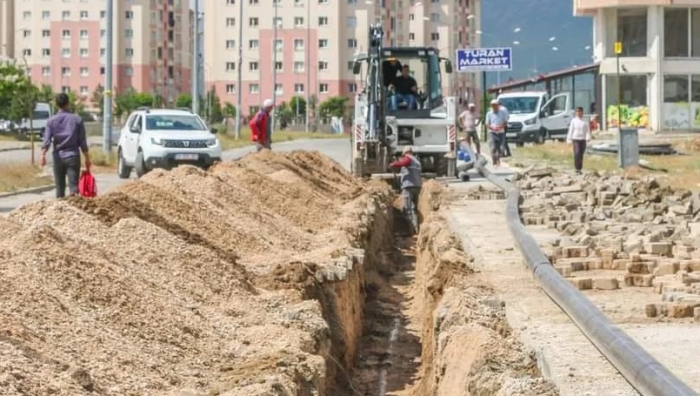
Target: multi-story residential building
659,61
316,43
7,28
63,43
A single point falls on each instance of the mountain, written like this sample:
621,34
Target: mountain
536,23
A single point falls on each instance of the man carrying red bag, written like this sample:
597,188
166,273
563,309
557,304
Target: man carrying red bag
261,126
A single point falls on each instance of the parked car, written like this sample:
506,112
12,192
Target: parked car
165,139
535,117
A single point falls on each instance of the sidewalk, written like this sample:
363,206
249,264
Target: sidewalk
564,353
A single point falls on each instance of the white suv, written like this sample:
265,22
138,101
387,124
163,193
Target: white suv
161,138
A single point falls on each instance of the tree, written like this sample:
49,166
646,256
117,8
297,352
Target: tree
301,102
46,94
284,113
131,100
333,107
11,78
229,110
97,99
215,112
184,100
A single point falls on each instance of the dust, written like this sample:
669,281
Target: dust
185,280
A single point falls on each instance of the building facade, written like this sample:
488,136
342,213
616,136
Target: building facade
7,28
63,44
317,41
659,67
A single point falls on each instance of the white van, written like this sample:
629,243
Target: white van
42,112
535,117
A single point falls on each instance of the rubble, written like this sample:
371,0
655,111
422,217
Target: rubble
631,232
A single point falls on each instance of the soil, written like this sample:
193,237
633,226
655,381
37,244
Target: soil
184,282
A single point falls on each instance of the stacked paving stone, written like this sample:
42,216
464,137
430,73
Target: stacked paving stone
630,232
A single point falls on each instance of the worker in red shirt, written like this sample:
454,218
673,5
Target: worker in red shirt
411,182
261,126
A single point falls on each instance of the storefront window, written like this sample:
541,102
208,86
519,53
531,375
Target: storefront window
634,110
695,28
676,106
695,101
676,32
632,31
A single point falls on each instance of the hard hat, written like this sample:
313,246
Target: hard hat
268,103
471,105
407,149
494,101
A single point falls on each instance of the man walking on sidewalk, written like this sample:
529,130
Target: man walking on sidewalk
496,121
261,126
66,132
468,122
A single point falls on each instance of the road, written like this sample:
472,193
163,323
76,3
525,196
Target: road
338,149
10,154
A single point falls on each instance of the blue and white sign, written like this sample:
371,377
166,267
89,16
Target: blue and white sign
484,59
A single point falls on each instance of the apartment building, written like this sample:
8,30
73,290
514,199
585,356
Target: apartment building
63,43
316,43
659,72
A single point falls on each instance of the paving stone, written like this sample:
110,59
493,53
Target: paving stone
696,314
667,268
638,280
582,283
606,284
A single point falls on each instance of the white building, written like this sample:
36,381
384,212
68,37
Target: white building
659,65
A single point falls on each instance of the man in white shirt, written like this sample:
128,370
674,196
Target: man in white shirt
579,134
468,122
496,123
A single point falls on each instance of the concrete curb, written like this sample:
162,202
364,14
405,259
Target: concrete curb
33,190
13,149
37,147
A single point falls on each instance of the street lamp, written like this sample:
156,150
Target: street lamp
30,103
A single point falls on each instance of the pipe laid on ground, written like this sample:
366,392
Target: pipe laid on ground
639,368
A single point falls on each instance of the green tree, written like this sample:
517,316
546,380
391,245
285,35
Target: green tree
184,100
46,94
333,107
215,112
143,99
97,99
229,110
24,100
283,113
12,79
301,102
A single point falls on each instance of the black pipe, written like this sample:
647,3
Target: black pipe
640,369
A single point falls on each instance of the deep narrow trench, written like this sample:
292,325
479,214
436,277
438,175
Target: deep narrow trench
388,357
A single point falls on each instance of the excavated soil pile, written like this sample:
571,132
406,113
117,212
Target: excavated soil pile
468,347
244,280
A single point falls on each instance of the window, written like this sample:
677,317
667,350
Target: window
27,15
253,22
677,110
298,21
65,15
83,52
350,65
298,67
411,36
632,31
352,87
230,22
323,88
45,15
279,67
323,43
129,33
253,2
129,14
435,36
65,34
279,90
230,44
253,66
695,31
298,88
45,52
173,122
322,21
252,44
434,81
129,52
322,65
83,90
435,17
681,32
277,21
83,34
230,89
230,66
230,2
45,33
254,88
45,71
279,45
65,71
65,52
633,93
352,43
83,15
351,22
298,44
83,71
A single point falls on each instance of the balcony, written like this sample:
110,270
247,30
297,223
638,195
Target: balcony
586,6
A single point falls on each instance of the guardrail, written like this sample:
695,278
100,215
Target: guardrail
637,366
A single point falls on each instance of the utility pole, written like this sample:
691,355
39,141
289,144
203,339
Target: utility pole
274,66
239,80
195,61
30,104
107,96
308,63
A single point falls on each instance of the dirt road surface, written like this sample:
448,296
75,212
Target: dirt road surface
337,149
565,355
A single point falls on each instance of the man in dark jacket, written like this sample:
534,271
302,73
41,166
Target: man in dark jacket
66,132
261,126
411,183
390,69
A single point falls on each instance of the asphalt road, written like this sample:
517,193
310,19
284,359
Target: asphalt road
24,155
338,149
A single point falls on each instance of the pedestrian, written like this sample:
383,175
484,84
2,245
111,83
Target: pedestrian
261,126
505,149
66,132
496,121
579,134
410,184
468,122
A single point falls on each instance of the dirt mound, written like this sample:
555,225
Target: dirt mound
148,290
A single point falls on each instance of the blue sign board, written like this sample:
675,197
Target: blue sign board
484,59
